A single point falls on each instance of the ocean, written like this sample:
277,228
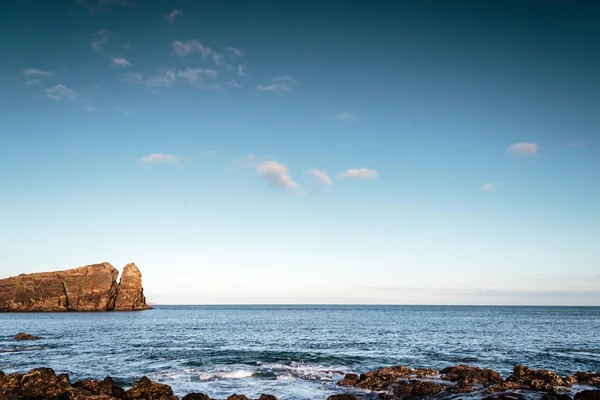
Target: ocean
296,352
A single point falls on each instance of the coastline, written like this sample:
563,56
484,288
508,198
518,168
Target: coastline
388,383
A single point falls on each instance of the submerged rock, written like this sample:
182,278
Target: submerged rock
25,336
89,288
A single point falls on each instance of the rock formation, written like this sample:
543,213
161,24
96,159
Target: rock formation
89,288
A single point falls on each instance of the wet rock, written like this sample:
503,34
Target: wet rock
588,395
267,397
425,372
238,397
109,388
505,386
541,379
505,396
381,379
471,375
145,389
349,380
569,380
196,396
556,396
88,385
463,387
588,378
25,336
345,396
417,388
39,383
386,396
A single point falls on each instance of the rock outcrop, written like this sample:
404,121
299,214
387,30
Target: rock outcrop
89,288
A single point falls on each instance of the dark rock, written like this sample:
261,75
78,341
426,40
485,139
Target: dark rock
425,372
588,395
556,396
145,389
267,397
588,378
505,396
541,379
195,396
349,380
345,396
39,383
109,388
25,336
88,288
471,375
381,379
506,386
417,388
88,385
238,397
386,396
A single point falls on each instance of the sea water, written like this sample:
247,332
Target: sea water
296,352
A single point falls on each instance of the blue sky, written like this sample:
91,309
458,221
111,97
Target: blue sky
280,152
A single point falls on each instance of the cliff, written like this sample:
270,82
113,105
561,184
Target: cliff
89,288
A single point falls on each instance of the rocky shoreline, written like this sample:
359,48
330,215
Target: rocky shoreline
397,382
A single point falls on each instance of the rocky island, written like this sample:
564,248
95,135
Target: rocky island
88,288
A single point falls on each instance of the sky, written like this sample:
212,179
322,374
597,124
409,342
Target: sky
254,152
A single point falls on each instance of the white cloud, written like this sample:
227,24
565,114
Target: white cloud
278,84
183,49
121,62
321,176
194,75
359,173
345,116
36,72
487,186
160,158
59,92
173,15
523,148
233,83
100,39
277,174
240,70
90,109
31,82
234,52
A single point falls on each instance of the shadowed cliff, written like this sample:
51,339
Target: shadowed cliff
89,288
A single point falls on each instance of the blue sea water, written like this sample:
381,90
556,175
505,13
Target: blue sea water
296,352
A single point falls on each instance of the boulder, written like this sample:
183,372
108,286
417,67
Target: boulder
381,379
145,389
196,396
556,396
471,375
238,397
267,397
89,288
588,395
540,380
588,378
39,383
349,380
345,396
416,387
25,336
